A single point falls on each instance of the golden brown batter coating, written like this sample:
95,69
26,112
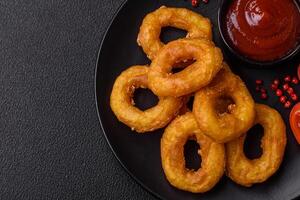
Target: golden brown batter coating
248,172
172,154
149,35
122,104
239,115
208,61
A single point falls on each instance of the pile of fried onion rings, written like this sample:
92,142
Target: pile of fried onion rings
222,113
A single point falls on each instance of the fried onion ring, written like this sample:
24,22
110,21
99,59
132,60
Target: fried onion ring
122,103
248,172
212,154
238,117
149,35
208,61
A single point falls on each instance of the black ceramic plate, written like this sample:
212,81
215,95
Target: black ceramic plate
140,153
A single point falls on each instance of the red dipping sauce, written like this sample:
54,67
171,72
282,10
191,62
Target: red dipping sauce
263,30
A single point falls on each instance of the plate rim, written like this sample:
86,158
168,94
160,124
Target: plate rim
97,70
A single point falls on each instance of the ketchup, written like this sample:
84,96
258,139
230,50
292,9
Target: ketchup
263,30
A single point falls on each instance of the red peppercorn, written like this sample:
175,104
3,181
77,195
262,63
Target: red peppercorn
195,3
279,92
294,97
287,104
282,99
286,86
295,80
290,90
259,82
257,88
274,86
264,95
287,78
205,1
263,90
276,81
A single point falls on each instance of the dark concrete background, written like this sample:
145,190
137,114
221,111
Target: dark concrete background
51,145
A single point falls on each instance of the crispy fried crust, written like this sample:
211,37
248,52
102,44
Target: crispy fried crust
149,35
172,154
248,172
122,104
208,61
223,127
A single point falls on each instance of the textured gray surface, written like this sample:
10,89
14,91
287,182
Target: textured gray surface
51,145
